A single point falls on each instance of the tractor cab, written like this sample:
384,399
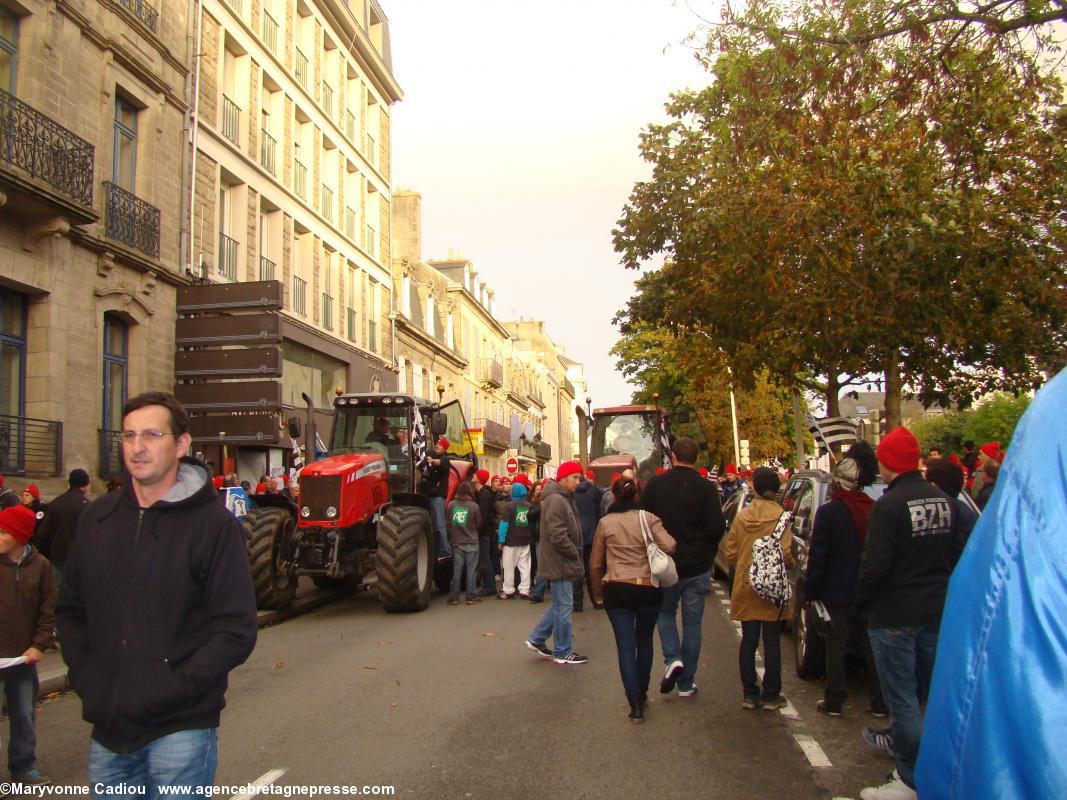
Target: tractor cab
628,437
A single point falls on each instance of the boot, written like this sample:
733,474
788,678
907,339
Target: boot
637,710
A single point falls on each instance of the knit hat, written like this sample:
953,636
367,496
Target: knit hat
443,443
18,521
482,475
32,489
660,470
955,459
523,479
218,481
261,489
590,474
730,469
78,478
765,480
991,449
568,468
615,476
703,472
847,474
899,451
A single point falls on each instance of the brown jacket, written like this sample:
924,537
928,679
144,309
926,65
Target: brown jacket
619,552
755,520
561,536
27,603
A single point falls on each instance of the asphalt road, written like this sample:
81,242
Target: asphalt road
450,704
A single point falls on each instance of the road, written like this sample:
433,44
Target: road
450,704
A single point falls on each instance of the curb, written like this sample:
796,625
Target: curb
55,680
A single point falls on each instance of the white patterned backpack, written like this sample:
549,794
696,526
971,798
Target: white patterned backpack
767,573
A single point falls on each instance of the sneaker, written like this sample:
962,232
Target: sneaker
688,692
32,777
540,649
879,741
750,703
824,708
878,710
524,596
453,601
536,599
671,676
893,789
571,658
774,703
473,600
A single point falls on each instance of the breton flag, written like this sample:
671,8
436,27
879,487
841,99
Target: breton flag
832,431
418,443
664,440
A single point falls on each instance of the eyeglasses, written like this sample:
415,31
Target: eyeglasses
148,436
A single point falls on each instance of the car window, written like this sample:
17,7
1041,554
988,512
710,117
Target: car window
804,506
789,496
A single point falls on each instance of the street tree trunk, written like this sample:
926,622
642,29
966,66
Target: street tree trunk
892,391
833,389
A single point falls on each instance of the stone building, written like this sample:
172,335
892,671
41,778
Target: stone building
93,98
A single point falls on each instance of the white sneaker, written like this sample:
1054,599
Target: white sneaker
895,789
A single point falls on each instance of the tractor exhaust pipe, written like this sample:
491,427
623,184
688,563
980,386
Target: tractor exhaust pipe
583,436
310,434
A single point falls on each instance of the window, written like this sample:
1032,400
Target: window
9,48
227,259
353,303
124,168
431,317
12,377
373,311
402,366
116,360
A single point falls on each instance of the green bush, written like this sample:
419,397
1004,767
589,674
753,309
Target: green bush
944,432
995,419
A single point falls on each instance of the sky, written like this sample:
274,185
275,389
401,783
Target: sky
519,127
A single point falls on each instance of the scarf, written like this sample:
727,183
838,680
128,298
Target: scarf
859,506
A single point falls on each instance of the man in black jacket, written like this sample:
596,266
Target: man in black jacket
910,551
55,537
691,512
156,608
486,499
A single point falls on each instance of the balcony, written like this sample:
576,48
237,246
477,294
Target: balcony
132,221
300,68
30,446
300,295
568,387
270,32
266,269
370,241
326,202
227,257
351,329
231,120
300,179
111,464
237,6
327,99
267,148
494,434
542,451
372,151
45,150
372,336
350,222
491,372
350,126
143,12
327,312
534,396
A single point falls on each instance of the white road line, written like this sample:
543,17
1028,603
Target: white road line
815,755
266,779
724,600
788,711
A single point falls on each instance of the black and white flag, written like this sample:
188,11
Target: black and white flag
832,431
418,443
664,440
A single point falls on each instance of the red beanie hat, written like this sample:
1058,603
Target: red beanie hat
703,472
991,449
218,480
443,443
730,469
524,479
590,474
19,521
482,475
899,450
955,459
615,476
261,489
568,468
660,470
32,489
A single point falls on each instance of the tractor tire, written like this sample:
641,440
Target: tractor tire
809,649
405,559
268,531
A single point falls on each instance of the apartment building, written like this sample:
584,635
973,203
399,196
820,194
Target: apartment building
92,107
292,171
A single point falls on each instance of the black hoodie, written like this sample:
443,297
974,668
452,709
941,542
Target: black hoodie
155,610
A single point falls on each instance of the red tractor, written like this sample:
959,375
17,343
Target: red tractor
359,511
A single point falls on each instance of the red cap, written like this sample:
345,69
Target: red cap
482,475
703,472
218,481
590,474
991,449
730,470
32,489
899,450
19,521
660,470
615,476
443,443
523,479
568,468
955,459
261,489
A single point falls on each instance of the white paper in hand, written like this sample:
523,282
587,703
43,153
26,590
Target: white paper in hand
12,662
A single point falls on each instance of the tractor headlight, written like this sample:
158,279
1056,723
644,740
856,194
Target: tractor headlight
331,512
305,512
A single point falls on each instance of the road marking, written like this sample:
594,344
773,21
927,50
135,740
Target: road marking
264,780
789,711
724,600
815,755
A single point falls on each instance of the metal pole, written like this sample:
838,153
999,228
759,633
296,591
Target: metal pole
798,429
733,419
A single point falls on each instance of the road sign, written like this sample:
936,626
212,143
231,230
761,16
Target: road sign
512,466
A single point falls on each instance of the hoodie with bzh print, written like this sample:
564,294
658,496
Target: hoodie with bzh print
463,521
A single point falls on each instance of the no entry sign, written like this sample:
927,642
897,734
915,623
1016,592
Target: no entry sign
512,466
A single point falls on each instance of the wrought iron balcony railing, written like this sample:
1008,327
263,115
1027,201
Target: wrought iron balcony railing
327,99
268,145
327,312
231,120
270,32
350,126
543,451
237,6
227,257
40,146
131,220
326,202
111,463
351,329
299,295
300,179
30,446
492,372
144,13
300,67
493,433
266,269
350,222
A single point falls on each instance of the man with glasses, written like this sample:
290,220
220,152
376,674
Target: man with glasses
156,608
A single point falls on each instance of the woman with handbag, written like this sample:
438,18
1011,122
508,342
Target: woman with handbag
624,582
757,615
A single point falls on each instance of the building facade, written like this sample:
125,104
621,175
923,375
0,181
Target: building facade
94,107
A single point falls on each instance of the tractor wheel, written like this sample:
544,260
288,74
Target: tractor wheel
809,650
405,559
269,532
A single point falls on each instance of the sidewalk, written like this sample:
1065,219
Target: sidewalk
52,671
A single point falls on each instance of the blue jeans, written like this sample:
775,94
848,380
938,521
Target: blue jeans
464,557
905,661
556,621
633,639
440,526
772,658
692,593
185,758
19,685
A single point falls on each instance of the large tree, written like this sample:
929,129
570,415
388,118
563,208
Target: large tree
836,210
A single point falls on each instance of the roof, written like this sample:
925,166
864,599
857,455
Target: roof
865,402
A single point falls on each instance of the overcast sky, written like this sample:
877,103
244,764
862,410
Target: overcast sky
519,127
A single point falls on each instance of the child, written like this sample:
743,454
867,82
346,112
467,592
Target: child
27,602
463,521
515,533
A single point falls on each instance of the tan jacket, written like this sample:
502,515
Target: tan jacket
619,552
755,520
